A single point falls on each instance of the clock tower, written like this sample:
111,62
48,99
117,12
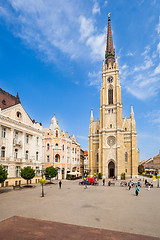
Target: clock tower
113,139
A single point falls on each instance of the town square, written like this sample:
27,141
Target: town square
79,119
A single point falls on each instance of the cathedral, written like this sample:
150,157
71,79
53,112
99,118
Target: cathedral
112,139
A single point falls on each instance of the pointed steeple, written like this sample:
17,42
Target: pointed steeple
17,98
91,118
110,52
132,113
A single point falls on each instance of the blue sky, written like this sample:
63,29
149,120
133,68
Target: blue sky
51,52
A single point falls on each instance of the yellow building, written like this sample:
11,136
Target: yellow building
113,139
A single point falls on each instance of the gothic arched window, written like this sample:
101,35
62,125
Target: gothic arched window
110,96
126,157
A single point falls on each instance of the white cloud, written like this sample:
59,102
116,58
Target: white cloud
86,27
157,70
95,79
58,26
158,48
97,44
130,54
105,2
158,26
96,8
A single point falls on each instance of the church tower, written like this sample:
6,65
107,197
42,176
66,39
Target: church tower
113,139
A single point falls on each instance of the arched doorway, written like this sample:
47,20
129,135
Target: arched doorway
111,169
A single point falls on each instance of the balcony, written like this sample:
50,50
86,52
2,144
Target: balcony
17,142
18,160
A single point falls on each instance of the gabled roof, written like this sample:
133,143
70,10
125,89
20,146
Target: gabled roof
7,99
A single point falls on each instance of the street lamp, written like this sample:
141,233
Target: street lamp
42,171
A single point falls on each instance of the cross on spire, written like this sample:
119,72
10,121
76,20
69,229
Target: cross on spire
110,52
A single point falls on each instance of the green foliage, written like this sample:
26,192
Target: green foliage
42,181
95,174
99,175
158,176
88,176
123,176
143,173
50,172
27,173
3,174
140,169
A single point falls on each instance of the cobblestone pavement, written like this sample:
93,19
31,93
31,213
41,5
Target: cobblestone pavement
18,228
112,208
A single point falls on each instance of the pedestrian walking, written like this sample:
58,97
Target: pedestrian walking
60,184
129,185
149,186
85,183
103,181
137,190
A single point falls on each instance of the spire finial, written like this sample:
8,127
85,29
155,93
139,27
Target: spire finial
110,53
91,118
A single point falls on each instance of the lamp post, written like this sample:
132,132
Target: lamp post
42,171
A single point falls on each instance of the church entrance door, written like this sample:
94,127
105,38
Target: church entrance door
111,169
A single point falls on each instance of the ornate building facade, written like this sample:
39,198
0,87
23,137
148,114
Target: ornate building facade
112,139
61,150
20,139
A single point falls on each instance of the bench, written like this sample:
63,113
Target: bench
16,187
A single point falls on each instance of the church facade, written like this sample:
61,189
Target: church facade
112,139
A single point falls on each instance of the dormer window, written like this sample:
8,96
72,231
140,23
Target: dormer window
4,102
19,115
56,133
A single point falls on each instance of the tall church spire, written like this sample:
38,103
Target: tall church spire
110,52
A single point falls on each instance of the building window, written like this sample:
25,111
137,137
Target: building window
63,147
26,156
110,125
57,158
56,133
18,171
97,131
3,153
126,170
3,132
48,159
47,146
37,171
72,150
27,138
110,96
126,157
16,135
125,129
108,111
112,110
97,158
4,102
37,140
37,156
16,153
19,115
6,168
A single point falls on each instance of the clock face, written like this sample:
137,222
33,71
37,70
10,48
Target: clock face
110,79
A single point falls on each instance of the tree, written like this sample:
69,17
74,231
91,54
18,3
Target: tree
3,174
140,169
27,173
50,172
